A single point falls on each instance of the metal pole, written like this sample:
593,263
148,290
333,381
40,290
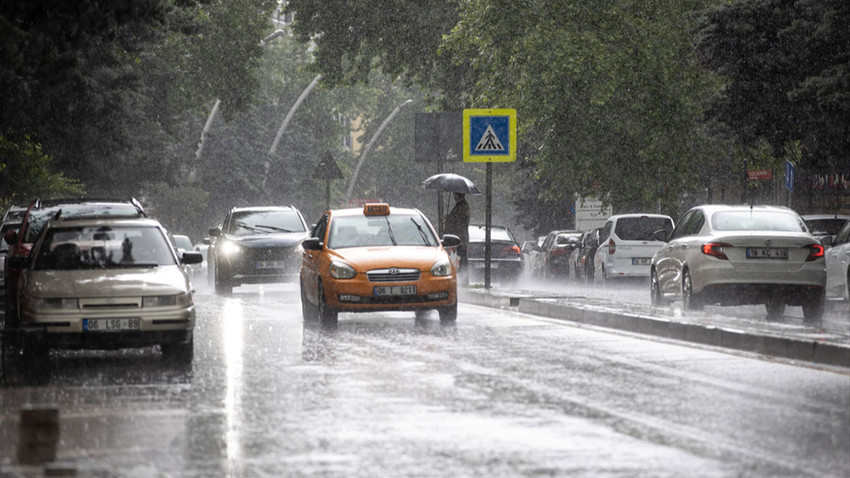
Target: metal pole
488,222
369,147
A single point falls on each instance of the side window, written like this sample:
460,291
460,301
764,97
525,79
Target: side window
696,223
682,226
843,235
605,232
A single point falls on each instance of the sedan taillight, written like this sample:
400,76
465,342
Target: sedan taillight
612,247
715,249
558,252
511,249
816,252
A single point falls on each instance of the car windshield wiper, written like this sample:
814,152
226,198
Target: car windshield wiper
390,231
421,232
279,229
245,226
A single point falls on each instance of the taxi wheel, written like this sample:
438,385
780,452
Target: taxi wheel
448,314
327,315
308,311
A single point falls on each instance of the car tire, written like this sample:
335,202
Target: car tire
448,314
328,316
656,298
690,300
308,310
222,285
775,308
813,309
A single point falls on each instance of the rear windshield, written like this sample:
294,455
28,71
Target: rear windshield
249,223
476,234
103,247
825,226
641,228
757,221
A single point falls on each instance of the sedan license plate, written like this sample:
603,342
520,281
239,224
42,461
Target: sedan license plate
269,264
110,325
641,261
767,253
381,291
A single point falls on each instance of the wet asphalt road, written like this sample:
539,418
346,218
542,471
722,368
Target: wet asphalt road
497,394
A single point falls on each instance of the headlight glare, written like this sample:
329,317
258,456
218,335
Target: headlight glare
230,248
340,270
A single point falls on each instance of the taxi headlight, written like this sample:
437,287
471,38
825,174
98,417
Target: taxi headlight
340,270
230,248
441,268
182,300
57,304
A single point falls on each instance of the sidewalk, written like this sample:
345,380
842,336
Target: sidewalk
828,344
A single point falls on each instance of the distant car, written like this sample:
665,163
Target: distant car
256,245
627,244
582,257
553,259
38,213
823,225
838,266
506,264
107,284
377,258
731,255
529,256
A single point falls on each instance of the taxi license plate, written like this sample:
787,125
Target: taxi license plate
767,253
110,325
269,265
640,261
381,291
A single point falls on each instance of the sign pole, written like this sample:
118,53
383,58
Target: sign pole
488,223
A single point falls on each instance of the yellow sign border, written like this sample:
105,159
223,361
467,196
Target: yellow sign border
468,157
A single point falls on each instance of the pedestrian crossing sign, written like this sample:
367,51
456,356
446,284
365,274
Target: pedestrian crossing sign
489,135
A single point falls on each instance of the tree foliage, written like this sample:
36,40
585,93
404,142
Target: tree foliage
787,63
25,165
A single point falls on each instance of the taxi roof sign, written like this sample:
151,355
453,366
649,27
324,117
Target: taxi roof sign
376,209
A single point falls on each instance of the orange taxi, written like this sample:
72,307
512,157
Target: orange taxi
374,259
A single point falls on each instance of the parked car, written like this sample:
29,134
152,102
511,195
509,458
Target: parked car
377,258
38,213
106,283
838,266
506,264
731,255
529,255
825,225
256,245
627,244
553,259
582,257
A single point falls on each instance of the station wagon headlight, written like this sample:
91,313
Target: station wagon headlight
182,300
57,304
340,270
441,268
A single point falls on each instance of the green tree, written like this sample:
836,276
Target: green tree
25,165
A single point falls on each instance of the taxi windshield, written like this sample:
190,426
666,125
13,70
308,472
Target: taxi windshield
391,230
103,247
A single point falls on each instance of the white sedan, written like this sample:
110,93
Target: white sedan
733,255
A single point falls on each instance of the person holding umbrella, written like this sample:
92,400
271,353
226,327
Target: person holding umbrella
457,223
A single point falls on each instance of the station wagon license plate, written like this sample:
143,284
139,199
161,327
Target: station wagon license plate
767,253
641,261
382,291
110,325
269,264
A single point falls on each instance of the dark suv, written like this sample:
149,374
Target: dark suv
256,245
21,240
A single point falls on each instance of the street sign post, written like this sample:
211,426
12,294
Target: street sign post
489,136
789,175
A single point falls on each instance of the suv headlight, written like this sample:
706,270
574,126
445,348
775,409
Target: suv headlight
230,248
340,270
441,268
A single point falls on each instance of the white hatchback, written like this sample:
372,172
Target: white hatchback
627,244
734,255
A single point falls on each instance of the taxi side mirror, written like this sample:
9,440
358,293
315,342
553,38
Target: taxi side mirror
450,240
312,244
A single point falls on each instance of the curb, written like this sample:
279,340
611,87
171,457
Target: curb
763,342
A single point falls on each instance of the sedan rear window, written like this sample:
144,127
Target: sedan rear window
757,221
476,234
641,228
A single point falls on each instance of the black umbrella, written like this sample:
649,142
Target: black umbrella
452,183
